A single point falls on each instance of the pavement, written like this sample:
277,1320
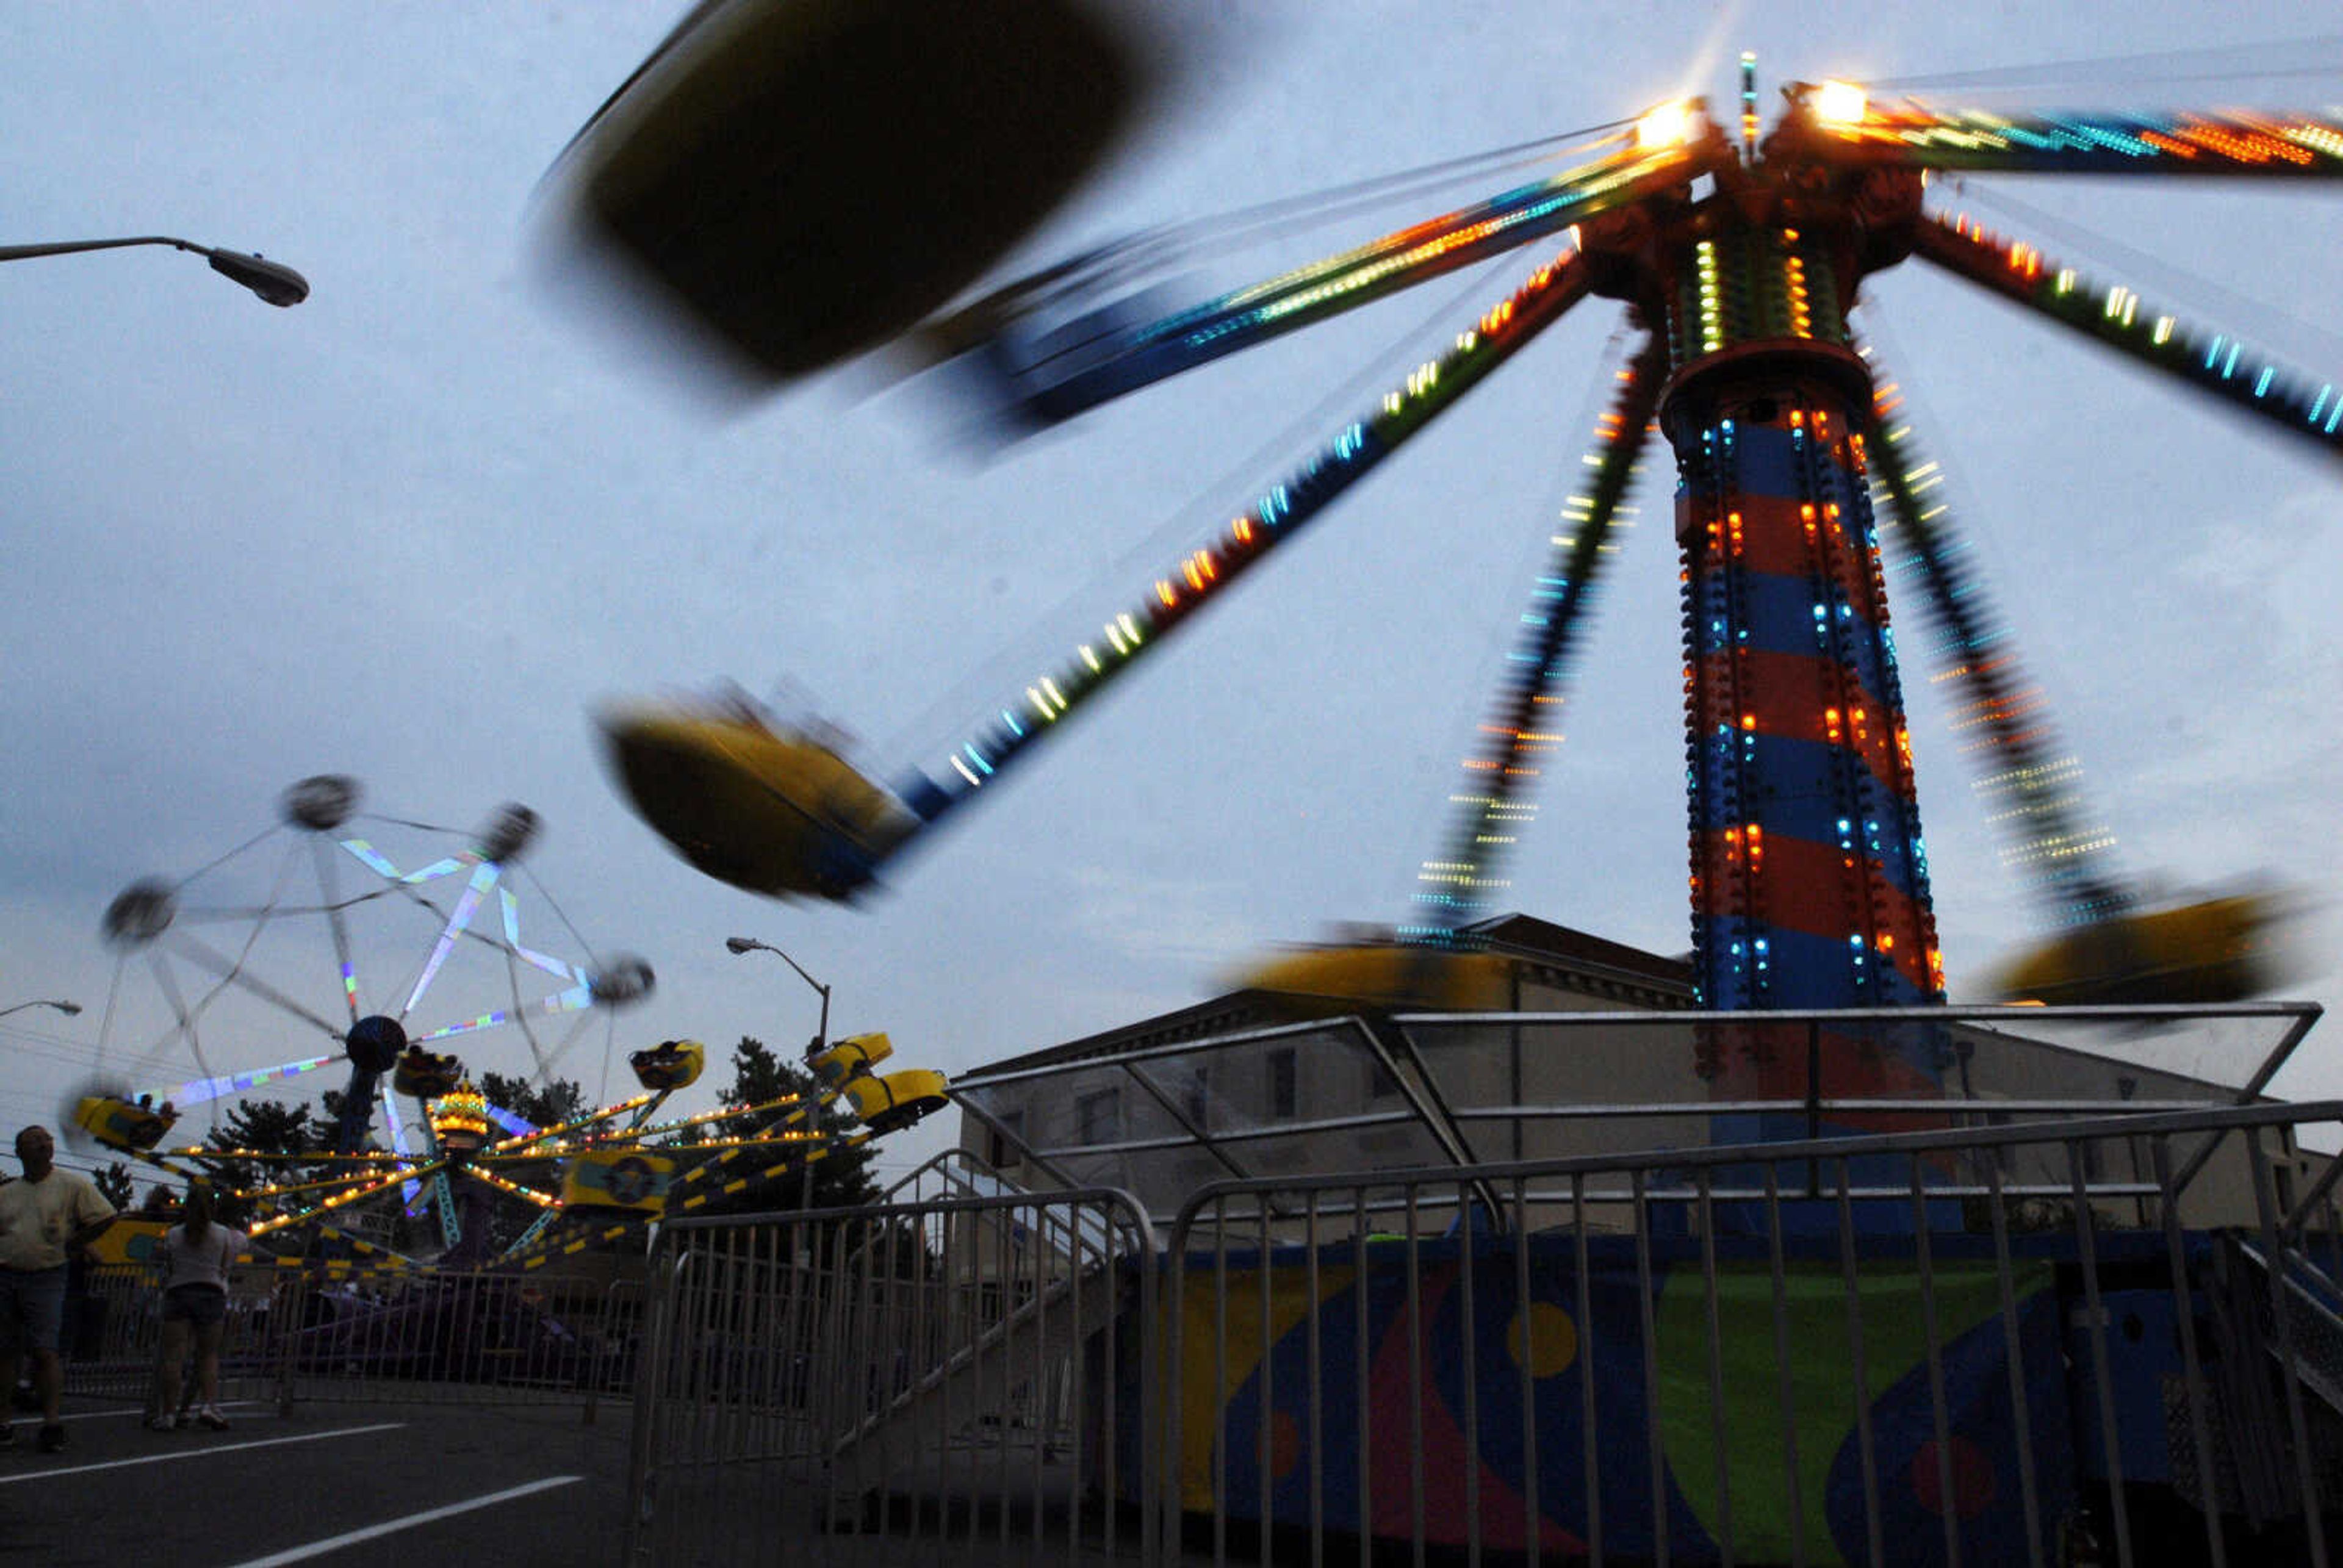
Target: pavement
342,1485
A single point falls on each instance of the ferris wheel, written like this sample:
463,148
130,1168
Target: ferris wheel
1738,251
337,940
387,946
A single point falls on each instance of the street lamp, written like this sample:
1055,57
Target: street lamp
751,945
271,280
67,1008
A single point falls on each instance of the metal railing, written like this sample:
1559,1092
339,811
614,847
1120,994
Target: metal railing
418,1336
892,1382
429,1336
1949,1368
1960,1346
113,1333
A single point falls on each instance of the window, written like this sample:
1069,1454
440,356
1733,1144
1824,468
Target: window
1001,1143
1098,1116
1284,1083
1196,1100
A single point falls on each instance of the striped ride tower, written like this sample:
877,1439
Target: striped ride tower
1809,876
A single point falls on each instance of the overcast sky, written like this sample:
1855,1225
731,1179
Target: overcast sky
414,528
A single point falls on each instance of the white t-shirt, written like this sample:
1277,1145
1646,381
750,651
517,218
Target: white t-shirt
204,1263
37,1218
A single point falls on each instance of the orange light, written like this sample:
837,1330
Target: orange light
1843,104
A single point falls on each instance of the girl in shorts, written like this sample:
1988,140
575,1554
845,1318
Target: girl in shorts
197,1253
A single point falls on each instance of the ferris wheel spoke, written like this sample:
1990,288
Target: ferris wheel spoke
1048,374
528,955
2034,790
169,985
1835,124
399,1142
512,1121
196,1091
374,861
336,926
547,1060
1492,809
2114,315
484,879
230,972
1172,600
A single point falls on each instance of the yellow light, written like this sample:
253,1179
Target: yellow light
1840,104
1669,125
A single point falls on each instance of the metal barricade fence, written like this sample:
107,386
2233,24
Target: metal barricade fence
449,1337
417,1336
950,1380
2015,1352
113,1335
2117,1340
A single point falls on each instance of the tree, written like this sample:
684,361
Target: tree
113,1184
841,1176
263,1127
547,1105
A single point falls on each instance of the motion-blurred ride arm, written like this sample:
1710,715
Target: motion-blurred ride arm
2302,405
1049,371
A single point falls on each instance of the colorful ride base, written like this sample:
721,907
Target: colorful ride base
1624,1446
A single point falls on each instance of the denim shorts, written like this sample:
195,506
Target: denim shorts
199,1305
32,1308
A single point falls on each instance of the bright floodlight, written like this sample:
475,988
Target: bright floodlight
1668,125
1840,104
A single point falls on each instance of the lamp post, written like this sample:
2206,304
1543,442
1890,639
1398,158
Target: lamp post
751,945
67,1008
738,945
273,281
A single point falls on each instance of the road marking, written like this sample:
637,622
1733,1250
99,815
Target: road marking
334,1543
205,1450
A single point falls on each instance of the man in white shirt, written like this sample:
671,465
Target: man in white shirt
44,1219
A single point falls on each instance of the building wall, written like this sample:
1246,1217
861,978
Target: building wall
1518,1088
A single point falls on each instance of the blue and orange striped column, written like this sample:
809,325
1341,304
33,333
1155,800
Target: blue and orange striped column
1810,882
1809,876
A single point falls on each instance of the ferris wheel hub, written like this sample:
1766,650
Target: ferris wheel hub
374,1043
140,912
322,802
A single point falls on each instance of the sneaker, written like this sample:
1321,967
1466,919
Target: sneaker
212,1419
52,1438
157,1423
